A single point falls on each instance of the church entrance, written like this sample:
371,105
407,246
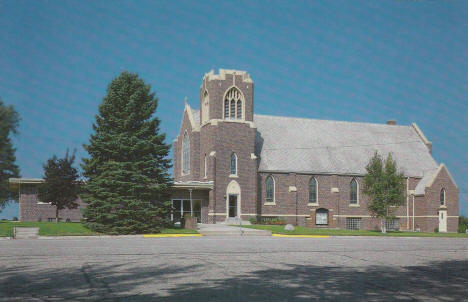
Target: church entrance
232,205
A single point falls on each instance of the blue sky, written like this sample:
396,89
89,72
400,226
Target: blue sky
366,61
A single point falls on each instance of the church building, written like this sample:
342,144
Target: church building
231,164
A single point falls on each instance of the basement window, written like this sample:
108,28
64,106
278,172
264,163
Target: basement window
353,223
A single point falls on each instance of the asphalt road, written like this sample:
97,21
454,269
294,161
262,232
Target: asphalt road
234,269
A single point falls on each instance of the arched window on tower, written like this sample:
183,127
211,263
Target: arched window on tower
186,154
233,164
442,197
233,104
226,108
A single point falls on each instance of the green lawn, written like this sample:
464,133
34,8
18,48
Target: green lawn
67,229
279,229
47,228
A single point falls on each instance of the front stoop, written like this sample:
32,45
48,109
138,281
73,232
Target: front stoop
25,233
225,230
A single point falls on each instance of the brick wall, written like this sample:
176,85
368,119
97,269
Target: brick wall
32,210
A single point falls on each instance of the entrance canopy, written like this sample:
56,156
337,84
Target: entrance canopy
193,185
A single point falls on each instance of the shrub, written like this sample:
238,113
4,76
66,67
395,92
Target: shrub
462,224
15,218
273,221
253,220
436,230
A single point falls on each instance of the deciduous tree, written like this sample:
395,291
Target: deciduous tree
385,187
61,183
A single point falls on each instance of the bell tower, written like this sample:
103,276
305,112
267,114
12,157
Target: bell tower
226,96
227,144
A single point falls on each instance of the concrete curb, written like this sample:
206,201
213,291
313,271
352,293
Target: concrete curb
119,236
301,236
170,235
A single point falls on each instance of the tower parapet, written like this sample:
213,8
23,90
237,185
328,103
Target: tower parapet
227,95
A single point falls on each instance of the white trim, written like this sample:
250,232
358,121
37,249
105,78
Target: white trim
269,204
312,204
205,110
356,205
195,127
292,189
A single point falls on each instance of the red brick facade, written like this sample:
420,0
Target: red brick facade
218,138
215,139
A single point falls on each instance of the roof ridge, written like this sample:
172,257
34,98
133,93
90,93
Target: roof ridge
327,120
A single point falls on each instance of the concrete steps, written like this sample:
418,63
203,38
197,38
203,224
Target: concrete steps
225,230
25,233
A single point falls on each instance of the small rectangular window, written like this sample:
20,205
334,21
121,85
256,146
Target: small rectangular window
353,223
392,224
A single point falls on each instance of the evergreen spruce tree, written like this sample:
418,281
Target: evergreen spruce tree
61,186
128,183
9,120
385,187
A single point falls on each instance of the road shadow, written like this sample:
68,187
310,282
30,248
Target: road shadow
445,280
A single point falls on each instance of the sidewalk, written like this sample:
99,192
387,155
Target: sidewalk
226,230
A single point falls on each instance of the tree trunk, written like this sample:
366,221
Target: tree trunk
56,214
382,225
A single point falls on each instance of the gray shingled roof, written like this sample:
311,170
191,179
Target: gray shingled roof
323,146
421,186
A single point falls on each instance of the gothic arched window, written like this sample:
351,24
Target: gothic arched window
226,108
353,192
442,197
270,189
186,154
233,104
313,190
233,164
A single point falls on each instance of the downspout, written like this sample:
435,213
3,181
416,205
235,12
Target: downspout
19,199
413,212
295,193
214,189
407,203
191,202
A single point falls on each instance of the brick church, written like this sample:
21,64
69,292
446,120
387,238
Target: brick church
231,164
